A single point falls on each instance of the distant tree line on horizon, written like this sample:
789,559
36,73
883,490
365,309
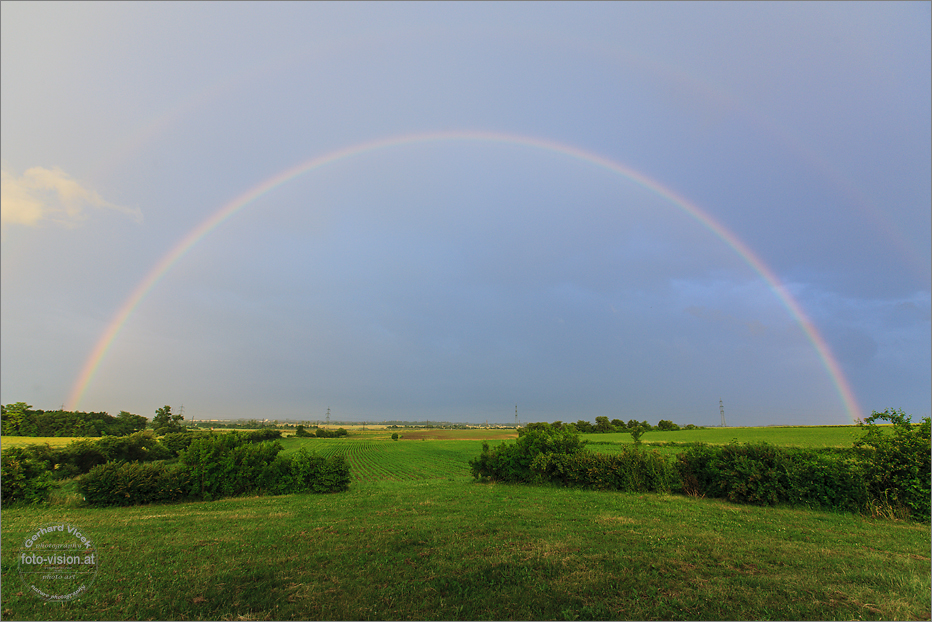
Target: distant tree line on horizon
20,419
603,425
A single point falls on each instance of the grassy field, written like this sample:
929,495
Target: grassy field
451,548
54,441
417,538
810,436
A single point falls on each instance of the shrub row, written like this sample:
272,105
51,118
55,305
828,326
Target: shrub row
886,472
763,474
632,470
214,467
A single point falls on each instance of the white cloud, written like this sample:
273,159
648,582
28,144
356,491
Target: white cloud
48,195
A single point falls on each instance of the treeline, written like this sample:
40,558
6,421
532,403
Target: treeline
883,474
301,432
20,419
141,468
603,425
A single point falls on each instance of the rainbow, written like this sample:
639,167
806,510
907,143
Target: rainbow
226,211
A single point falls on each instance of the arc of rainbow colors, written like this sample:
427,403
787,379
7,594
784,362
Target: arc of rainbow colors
211,222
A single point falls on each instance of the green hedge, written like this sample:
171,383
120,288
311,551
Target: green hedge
134,483
888,472
24,475
632,470
212,467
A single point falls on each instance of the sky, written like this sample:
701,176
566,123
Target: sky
447,211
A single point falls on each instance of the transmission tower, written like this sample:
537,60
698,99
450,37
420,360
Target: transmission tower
516,416
181,412
328,416
721,409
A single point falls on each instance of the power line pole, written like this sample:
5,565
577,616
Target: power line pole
721,409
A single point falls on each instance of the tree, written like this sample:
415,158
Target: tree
130,423
667,425
602,425
618,424
394,436
13,416
165,422
584,426
636,433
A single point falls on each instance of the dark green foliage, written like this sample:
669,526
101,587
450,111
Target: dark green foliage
325,433
896,467
24,475
233,464
227,464
632,470
165,422
133,483
826,479
79,457
141,447
303,471
176,442
20,419
511,462
394,436
763,474
584,427
603,425
667,425
300,432
636,433
264,434
749,473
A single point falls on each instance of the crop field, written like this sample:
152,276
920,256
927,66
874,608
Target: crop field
808,436
54,441
377,459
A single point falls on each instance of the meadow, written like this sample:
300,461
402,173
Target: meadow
417,538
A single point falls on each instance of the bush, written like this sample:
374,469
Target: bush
303,472
767,475
896,467
301,432
177,442
227,465
80,457
325,433
25,476
137,447
265,434
828,479
632,470
511,462
133,483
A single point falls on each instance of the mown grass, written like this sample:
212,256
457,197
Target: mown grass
455,549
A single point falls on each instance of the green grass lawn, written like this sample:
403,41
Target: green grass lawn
455,549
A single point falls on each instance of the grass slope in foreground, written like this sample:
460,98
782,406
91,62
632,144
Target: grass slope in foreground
455,549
